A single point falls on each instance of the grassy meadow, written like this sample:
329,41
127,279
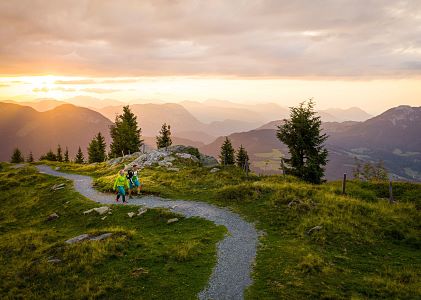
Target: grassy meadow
146,258
316,243
360,247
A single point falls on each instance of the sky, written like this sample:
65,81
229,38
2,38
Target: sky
341,53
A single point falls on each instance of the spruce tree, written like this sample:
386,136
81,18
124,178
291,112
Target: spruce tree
227,153
79,157
164,138
30,157
96,149
66,155
49,156
17,156
125,134
59,154
242,159
302,134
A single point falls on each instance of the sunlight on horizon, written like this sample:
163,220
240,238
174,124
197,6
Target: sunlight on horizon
373,96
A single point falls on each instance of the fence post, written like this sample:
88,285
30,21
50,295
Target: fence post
390,192
344,185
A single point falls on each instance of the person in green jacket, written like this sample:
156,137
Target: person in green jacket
119,185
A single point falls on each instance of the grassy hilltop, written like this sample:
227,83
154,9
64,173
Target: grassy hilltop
145,258
363,247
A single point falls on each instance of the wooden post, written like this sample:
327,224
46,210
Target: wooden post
390,192
344,185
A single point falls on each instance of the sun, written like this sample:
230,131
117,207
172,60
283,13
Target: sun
44,86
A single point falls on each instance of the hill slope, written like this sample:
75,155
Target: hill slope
317,243
30,130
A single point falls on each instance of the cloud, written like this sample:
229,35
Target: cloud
226,38
67,90
41,90
75,82
99,90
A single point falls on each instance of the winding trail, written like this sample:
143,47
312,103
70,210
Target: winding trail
235,254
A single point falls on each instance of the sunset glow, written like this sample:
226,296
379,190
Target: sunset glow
158,51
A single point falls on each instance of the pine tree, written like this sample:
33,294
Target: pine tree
49,156
66,155
30,157
125,134
227,153
79,159
96,149
59,154
371,172
17,156
242,159
302,135
164,139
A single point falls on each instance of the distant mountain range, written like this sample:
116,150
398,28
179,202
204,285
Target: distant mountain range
31,130
393,137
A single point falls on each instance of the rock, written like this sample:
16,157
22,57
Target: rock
169,158
208,161
54,260
164,163
57,187
187,156
131,214
142,211
101,210
53,216
318,227
103,218
173,169
85,236
214,170
101,237
172,220
88,211
78,238
110,213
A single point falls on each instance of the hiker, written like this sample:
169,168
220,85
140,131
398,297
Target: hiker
133,180
119,185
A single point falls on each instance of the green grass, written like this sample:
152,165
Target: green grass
146,258
366,248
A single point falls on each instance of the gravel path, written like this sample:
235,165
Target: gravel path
236,252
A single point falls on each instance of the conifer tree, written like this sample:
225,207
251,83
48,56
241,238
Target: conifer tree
227,153
30,157
49,156
66,155
96,149
302,134
79,159
59,154
164,138
242,159
125,134
17,156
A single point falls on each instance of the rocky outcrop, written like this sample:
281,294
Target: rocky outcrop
165,157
